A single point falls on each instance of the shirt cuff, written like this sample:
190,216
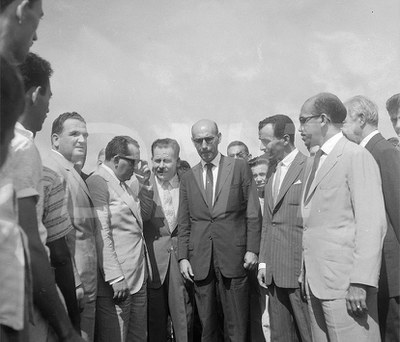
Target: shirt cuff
112,282
262,265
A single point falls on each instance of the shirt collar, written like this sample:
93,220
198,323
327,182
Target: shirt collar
288,160
22,130
215,161
328,146
366,140
174,181
111,172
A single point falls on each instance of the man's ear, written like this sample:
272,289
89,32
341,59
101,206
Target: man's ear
362,119
55,141
35,94
219,135
21,10
286,139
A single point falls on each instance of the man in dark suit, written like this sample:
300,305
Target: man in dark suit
218,234
168,292
282,231
393,108
361,126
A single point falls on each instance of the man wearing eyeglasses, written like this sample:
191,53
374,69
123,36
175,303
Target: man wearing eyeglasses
344,226
238,149
121,313
219,222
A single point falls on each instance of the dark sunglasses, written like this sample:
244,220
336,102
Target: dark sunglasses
208,140
304,120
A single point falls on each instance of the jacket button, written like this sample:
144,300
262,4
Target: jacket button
212,221
210,237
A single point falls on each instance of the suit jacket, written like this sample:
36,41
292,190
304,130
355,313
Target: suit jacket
229,228
282,229
344,222
122,250
161,242
82,240
388,159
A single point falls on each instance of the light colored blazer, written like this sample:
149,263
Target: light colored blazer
122,249
344,222
82,239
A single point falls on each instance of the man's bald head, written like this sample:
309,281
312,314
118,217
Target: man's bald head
206,138
205,125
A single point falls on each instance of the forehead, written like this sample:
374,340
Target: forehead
74,125
236,149
259,168
266,132
163,152
204,130
307,109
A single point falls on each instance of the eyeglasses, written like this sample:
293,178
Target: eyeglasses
199,141
304,120
132,161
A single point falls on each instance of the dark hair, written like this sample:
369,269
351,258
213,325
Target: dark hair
58,124
283,125
166,142
393,104
5,3
119,145
238,143
331,105
12,97
35,72
258,161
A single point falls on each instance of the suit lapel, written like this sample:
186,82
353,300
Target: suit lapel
328,164
225,168
291,176
122,194
268,193
198,176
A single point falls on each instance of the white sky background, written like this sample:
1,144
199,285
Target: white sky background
150,69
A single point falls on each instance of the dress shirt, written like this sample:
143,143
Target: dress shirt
174,190
215,169
285,164
327,148
366,140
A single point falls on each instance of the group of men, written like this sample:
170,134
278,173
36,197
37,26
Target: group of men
281,247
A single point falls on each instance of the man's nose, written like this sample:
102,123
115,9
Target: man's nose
204,144
35,37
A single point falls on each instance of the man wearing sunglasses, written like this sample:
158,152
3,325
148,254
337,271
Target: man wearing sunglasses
121,312
344,226
219,222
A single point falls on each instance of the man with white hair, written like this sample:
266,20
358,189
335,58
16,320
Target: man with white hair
361,126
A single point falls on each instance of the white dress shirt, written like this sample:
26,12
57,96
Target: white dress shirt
174,190
215,170
327,148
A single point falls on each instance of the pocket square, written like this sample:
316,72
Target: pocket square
298,182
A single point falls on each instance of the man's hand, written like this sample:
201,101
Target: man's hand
261,277
121,291
250,261
356,300
80,297
143,172
186,270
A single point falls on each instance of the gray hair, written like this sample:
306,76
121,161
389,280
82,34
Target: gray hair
361,105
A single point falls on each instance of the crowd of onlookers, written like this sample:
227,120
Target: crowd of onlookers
279,247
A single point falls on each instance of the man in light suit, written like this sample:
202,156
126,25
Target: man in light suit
218,234
282,231
69,143
122,297
361,126
344,227
168,292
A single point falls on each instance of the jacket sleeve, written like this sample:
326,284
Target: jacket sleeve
364,182
183,220
108,260
253,213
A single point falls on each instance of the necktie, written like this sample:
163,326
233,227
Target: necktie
209,184
123,186
169,210
275,190
317,158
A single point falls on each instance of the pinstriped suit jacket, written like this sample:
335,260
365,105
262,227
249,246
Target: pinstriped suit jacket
282,229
